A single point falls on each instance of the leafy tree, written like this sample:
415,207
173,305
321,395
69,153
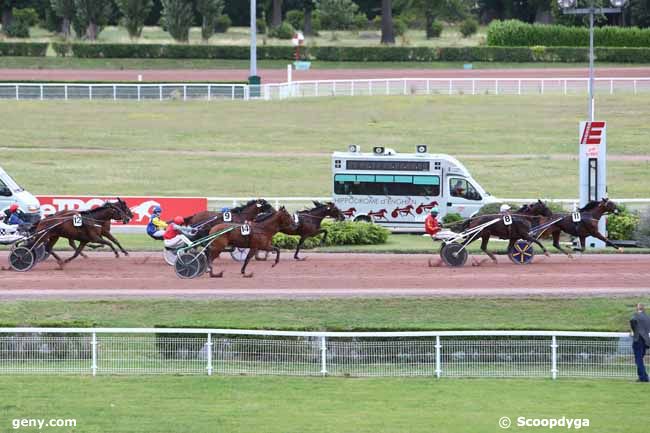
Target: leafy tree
337,14
639,11
93,14
177,18
450,10
387,31
135,13
209,10
65,10
7,7
276,19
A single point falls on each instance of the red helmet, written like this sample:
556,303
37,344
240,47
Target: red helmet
179,220
14,207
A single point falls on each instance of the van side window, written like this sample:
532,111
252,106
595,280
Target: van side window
356,184
463,189
4,191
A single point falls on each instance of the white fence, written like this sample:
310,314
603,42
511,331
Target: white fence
117,351
299,89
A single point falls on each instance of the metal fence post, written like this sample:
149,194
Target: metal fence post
209,353
404,88
94,356
611,87
65,91
160,92
209,92
473,87
565,86
138,92
323,356
90,92
438,366
41,88
634,86
450,88
496,87
17,96
518,87
553,357
114,92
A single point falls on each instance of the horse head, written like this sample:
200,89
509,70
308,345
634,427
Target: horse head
608,206
285,220
263,205
334,212
121,211
539,208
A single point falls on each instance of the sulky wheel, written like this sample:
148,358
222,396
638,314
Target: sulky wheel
454,254
203,264
522,253
187,265
239,254
41,253
22,259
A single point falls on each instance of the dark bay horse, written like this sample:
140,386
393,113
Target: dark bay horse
259,238
308,223
84,227
205,220
584,226
519,228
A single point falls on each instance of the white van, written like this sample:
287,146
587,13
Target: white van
11,192
398,190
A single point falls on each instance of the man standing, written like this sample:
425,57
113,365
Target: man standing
640,324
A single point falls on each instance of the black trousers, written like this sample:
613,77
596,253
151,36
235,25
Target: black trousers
639,352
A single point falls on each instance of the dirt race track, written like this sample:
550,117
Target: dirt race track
328,275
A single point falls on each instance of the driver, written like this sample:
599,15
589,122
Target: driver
458,190
14,216
175,235
156,227
431,222
504,209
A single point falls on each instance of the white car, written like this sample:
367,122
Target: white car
11,192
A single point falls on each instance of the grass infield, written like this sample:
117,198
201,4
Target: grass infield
270,404
355,314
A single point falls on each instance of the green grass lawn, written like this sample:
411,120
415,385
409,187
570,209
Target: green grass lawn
390,314
129,148
270,404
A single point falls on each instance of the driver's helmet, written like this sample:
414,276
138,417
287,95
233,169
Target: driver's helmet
225,209
179,220
435,211
504,208
157,210
14,207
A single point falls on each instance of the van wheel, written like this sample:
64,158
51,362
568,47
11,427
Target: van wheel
363,219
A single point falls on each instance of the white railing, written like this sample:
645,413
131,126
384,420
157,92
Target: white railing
117,91
299,89
453,86
114,351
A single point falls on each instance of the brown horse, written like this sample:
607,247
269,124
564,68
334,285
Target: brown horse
256,235
519,228
309,223
581,224
203,221
85,227
106,230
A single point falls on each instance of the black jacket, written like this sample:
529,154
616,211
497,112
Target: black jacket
640,324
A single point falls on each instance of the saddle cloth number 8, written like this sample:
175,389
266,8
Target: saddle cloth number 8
507,220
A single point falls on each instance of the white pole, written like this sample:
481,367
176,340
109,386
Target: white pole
554,357
289,71
94,355
438,366
253,52
208,346
323,356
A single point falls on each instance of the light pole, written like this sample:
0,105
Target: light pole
593,167
252,75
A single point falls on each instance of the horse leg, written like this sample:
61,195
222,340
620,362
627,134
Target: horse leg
251,254
609,243
532,239
50,249
217,247
300,242
97,239
74,247
556,244
583,243
76,252
484,243
112,239
324,232
277,255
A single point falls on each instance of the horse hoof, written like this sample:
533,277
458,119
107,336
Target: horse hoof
274,265
219,275
125,253
300,259
248,275
571,256
547,254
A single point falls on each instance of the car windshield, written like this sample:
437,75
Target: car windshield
9,182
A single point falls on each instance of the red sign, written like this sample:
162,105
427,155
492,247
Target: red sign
592,134
140,206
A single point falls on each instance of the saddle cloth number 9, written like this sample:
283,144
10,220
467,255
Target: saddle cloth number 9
227,217
77,221
245,230
507,220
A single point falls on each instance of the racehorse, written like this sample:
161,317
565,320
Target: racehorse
106,230
519,228
259,237
205,220
85,227
309,221
583,226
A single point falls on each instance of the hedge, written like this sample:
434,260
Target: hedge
29,49
513,33
338,233
364,54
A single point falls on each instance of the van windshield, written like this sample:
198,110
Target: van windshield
7,182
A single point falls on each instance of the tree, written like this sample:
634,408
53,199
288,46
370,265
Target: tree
93,14
276,19
308,27
387,33
7,11
64,9
177,18
209,10
337,14
451,10
135,13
